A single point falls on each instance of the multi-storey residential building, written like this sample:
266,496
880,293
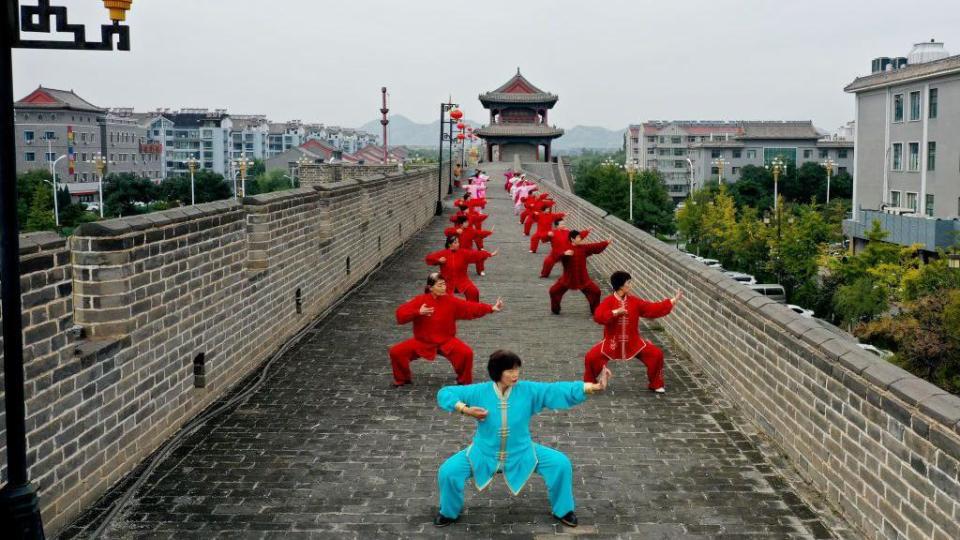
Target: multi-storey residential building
249,136
200,134
689,153
907,175
284,136
57,127
346,140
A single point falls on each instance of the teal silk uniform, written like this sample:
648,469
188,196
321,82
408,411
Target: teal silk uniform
502,442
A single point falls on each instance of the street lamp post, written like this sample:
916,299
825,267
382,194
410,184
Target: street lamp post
690,180
444,136
100,164
719,163
56,205
19,504
828,164
631,171
240,166
192,164
777,166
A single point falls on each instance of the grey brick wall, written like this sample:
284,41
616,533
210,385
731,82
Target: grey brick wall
152,293
882,445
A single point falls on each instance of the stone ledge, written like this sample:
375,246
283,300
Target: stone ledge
121,226
36,242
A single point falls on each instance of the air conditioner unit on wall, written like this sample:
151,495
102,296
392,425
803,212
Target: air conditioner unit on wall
899,210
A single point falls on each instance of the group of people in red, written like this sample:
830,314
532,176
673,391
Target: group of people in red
434,315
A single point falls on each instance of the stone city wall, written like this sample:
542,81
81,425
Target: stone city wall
880,444
135,325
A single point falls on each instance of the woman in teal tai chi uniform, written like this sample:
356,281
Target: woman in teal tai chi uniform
502,443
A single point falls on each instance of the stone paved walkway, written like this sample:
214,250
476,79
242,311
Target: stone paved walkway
328,449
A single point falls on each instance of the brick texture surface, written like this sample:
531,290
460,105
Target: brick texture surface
328,449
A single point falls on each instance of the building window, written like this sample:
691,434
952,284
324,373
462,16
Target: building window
691,139
735,170
650,151
84,177
83,156
28,136
914,106
786,154
929,204
841,170
49,135
898,108
931,156
912,200
824,153
932,103
678,164
736,154
842,153
715,153
651,139
807,153
676,140
751,154
895,199
714,170
29,156
897,164
51,156
914,162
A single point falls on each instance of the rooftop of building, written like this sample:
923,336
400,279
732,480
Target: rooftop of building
519,130
518,90
908,73
51,98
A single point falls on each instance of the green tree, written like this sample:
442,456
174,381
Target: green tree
653,209
126,194
859,301
804,186
754,188
28,183
209,186
841,187
275,180
40,217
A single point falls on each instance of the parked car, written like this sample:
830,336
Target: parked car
712,263
808,313
771,290
746,279
882,353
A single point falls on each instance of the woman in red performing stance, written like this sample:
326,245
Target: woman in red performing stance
559,242
434,315
620,315
575,275
470,238
453,262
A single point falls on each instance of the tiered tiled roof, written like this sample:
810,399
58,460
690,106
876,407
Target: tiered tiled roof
519,130
518,90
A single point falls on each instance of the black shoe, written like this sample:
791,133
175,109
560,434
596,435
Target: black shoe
570,520
442,520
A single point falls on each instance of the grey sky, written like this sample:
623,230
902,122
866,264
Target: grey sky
613,62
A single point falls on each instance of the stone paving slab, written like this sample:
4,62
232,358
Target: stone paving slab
328,449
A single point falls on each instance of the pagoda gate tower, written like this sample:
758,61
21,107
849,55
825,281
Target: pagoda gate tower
518,121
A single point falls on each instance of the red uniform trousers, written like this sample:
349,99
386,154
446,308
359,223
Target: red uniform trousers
457,352
650,355
536,239
467,289
548,263
528,224
590,290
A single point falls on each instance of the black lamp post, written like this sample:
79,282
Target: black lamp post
19,504
444,136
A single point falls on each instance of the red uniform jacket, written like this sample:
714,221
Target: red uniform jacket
436,330
560,240
545,222
454,271
474,217
575,275
468,236
621,336
470,203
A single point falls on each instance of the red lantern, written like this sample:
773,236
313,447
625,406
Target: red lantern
461,125
456,114
460,136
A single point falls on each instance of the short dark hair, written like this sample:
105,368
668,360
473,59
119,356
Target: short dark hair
451,239
619,279
501,361
460,219
573,234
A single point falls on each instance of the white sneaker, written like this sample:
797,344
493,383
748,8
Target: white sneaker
661,390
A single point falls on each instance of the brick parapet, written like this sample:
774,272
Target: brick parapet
882,445
212,289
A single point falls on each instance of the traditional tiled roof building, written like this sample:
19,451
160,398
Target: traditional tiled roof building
518,121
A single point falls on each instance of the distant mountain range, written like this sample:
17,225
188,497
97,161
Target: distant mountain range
406,132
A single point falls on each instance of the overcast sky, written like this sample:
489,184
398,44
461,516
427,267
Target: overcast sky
612,62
